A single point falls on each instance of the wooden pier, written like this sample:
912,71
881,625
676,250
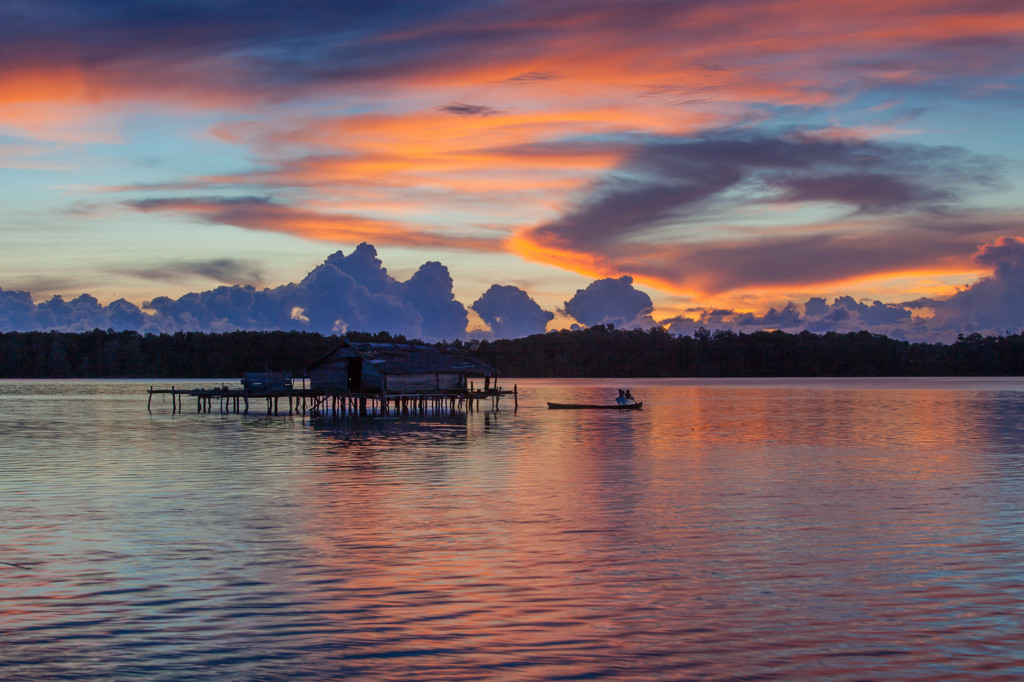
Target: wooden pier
360,380
312,403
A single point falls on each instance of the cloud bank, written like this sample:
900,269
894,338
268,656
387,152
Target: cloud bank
355,292
991,306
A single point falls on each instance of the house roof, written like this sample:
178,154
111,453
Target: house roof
405,358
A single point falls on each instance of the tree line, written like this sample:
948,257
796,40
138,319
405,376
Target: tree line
599,351
602,351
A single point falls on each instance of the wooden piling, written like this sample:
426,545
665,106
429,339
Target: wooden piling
343,404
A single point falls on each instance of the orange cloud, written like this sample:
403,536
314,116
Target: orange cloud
688,68
599,56
905,256
258,214
482,122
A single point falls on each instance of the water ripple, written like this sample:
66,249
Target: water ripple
731,530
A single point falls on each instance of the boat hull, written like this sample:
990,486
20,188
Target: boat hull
576,406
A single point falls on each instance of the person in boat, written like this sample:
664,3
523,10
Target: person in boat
621,400
629,398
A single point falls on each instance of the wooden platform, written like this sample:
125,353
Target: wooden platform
321,404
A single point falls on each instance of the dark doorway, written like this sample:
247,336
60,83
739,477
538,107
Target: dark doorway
355,374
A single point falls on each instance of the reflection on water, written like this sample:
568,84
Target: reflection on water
837,530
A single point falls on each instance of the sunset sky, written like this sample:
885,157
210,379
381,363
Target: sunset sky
738,161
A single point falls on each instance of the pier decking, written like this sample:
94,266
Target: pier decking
319,403
361,379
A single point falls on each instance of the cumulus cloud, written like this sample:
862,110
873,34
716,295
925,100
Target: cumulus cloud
992,305
345,292
355,292
612,301
430,292
19,313
222,309
843,314
17,310
510,312
1006,255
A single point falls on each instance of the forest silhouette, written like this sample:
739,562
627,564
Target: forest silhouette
598,351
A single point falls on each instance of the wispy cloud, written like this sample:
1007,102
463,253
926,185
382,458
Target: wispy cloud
259,213
597,132
664,213
469,110
224,270
532,76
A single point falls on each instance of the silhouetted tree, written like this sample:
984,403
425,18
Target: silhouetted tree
598,351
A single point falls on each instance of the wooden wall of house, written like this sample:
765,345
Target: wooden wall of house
331,375
424,382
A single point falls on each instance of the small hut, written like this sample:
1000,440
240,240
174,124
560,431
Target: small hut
382,368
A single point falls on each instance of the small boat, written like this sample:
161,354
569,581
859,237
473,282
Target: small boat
577,406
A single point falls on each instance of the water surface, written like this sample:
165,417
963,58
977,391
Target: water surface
764,529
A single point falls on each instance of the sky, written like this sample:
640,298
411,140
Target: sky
499,168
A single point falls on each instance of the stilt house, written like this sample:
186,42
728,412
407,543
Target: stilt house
377,368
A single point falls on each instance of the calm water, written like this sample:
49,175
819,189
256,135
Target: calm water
835,530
